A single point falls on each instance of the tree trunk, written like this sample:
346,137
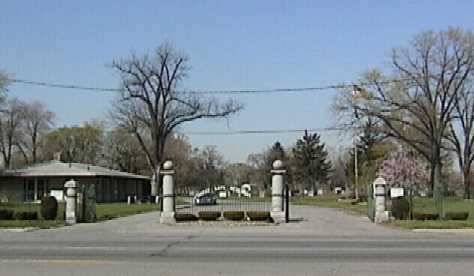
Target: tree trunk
432,177
467,182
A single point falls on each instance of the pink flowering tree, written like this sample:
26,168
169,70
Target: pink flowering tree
403,170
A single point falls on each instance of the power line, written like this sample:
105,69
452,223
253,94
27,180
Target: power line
209,92
66,86
268,131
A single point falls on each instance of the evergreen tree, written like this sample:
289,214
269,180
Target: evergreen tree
274,153
312,165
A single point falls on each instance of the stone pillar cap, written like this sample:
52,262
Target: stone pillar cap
70,184
277,165
168,165
380,181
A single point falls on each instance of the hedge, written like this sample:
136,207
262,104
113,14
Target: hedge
185,217
425,216
234,215
49,208
6,214
25,215
258,215
457,215
209,215
400,208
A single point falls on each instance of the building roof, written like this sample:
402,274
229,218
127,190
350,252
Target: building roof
61,169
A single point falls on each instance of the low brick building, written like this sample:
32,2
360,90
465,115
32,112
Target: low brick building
31,183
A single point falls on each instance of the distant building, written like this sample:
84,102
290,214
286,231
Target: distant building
31,183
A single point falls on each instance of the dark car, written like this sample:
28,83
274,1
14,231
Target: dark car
205,199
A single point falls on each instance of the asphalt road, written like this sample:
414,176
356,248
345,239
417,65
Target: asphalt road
327,242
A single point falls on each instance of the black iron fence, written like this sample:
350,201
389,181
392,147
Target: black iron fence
443,204
194,205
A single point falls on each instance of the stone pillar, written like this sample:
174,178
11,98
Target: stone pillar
381,215
71,192
167,215
278,171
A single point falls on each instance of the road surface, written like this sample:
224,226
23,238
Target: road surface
327,242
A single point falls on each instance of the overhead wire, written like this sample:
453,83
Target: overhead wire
213,92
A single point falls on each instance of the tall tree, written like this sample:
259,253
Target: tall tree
462,134
419,109
151,104
261,164
37,121
312,165
211,164
3,85
121,152
76,144
10,129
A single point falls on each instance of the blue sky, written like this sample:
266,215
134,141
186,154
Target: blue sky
231,45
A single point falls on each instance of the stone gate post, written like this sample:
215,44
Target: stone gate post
71,193
167,215
278,171
379,194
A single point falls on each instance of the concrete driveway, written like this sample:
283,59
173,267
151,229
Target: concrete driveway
326,242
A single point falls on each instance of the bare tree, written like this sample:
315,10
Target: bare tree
152,107
37,121
462,135
10,129
418,110
121,152
3,84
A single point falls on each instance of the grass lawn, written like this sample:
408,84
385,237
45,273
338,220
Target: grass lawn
420,204
43,224
330,201
432,224
106,211
427,205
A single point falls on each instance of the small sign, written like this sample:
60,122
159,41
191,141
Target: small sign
58,194
396,192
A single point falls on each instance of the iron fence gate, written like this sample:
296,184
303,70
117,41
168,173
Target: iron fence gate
193,205
370,202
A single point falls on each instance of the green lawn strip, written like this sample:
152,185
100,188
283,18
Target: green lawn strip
106,211
330,202
432,224
43,224
427,205
32,207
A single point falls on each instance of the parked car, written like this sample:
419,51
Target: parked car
205,199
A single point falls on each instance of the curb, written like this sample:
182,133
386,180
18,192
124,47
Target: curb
451,231
19,230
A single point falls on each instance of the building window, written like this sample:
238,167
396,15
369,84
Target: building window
35,189
30,190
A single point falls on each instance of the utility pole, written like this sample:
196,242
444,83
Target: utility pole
356,172
355,94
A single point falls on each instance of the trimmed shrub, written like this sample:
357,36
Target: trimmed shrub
26,215
457,215
400,208
363,198
234,215
185,217
425,216
258,215
49,208
6,214
209,215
